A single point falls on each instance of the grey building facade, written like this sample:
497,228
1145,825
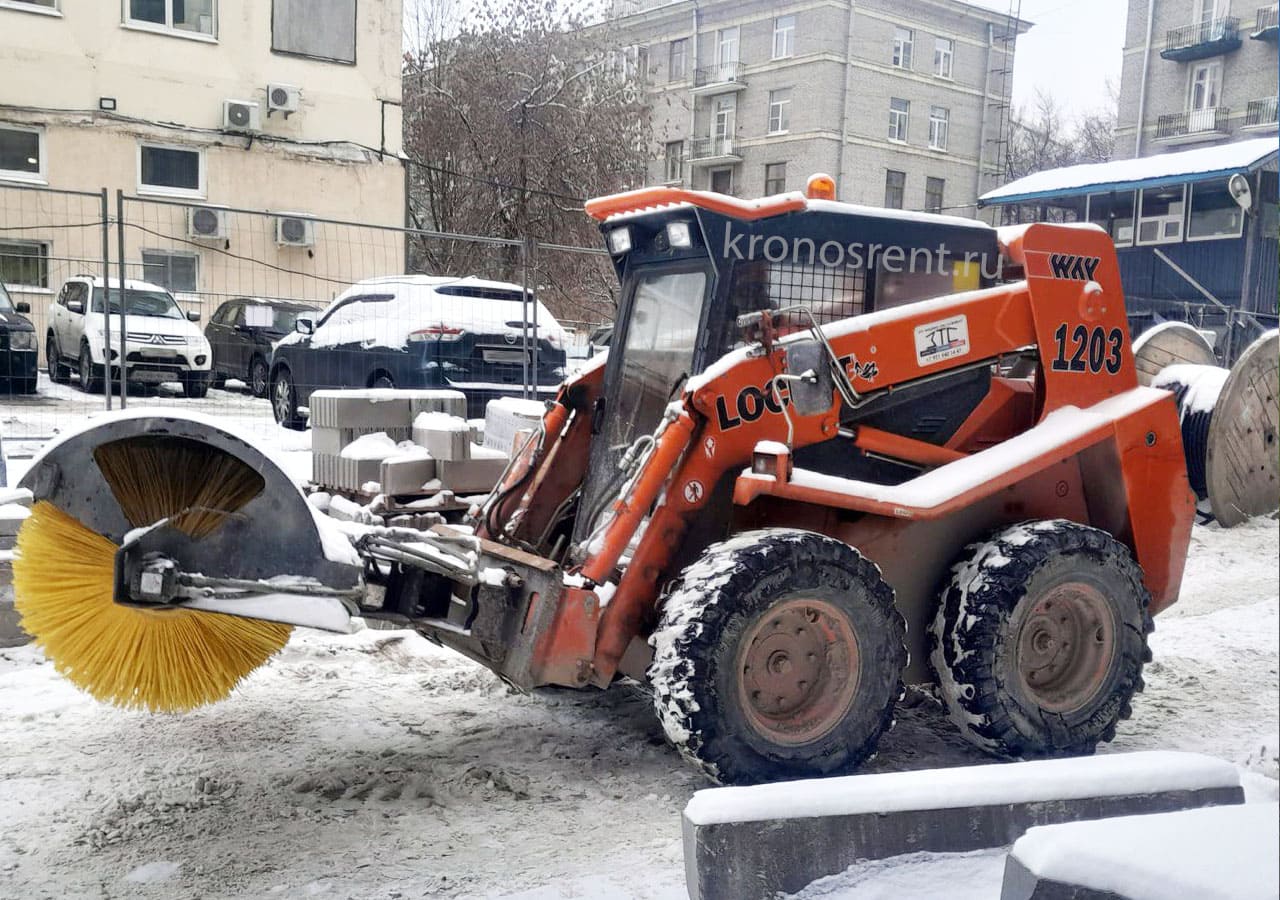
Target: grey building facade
1197,72
906,103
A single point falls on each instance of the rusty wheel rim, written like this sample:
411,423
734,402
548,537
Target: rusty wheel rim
1065,645
797,671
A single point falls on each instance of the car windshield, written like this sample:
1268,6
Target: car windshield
6,305
156,304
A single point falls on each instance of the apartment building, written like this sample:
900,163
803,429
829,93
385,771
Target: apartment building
290,106
1197,72
905,103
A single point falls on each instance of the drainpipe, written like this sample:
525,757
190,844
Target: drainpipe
844,104
693,106
1142,87
982,114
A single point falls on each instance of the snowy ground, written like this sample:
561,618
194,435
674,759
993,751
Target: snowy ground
379,766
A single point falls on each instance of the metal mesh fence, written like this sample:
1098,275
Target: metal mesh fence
381,306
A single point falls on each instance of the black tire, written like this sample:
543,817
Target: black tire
749,599
90,377
258,382
217,380
58,373
382,380
195,385
1039,641
284,400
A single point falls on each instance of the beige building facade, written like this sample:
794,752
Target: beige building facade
201,111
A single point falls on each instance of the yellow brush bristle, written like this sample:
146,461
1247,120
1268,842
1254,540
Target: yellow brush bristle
165,660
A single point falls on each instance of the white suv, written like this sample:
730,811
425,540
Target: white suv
164,343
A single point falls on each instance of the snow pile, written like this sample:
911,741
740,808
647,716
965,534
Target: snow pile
441,421
378,445
1216,853
1203,383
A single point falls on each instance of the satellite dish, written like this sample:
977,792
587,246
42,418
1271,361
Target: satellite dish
1238,188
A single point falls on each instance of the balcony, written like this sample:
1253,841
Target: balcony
1261,113
1202,40
1199,124
718,79
1267,24
712,152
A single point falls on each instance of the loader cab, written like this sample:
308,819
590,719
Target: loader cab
689,267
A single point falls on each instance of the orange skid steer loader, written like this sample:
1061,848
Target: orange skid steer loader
831,449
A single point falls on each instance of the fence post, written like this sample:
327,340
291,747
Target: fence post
528,257
106,280
124,294
524,319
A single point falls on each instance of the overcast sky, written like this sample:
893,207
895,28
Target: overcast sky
1074,47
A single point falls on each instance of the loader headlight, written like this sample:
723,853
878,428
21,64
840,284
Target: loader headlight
620,240
678,234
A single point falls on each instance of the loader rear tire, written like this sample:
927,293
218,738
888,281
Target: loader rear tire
779,655
1039,641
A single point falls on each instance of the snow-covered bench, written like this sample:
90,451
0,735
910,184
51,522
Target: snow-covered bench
742,842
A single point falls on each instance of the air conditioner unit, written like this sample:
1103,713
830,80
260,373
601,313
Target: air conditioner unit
208,223
283,98
295,230
241,115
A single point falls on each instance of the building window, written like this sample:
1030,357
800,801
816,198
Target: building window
784,37
22,156
678,60
933,189
1113,213
170,170
24,264
939,125
177,272
727,46
944,51
779,110
1206,86
895,185
903,38
320,29
775,178
673,161
1214,213
725,121
44,6
899,114
1160,214
185,17
722,181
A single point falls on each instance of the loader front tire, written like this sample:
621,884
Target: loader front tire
779,655
1039,640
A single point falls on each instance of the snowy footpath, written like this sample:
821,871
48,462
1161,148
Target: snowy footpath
379,766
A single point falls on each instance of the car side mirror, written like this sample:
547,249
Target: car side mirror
76,307
303,325
193,315
22,307
813,395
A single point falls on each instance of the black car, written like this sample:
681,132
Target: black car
419,331
241,333
18,346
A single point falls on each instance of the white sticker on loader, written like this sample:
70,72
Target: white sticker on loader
937,341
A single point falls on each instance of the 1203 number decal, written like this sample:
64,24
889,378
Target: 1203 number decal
1092,349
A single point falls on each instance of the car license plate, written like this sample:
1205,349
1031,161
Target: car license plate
504,356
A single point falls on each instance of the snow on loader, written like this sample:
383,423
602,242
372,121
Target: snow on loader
830,449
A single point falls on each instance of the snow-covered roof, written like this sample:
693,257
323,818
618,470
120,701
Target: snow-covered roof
1144,172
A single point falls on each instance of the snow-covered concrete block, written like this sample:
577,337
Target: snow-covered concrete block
406,474
444,436
453,403
373,408
1216,852
333,470
505,416
756,841
325,439
476,475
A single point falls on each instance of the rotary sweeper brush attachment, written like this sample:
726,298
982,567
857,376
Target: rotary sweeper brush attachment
166,559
